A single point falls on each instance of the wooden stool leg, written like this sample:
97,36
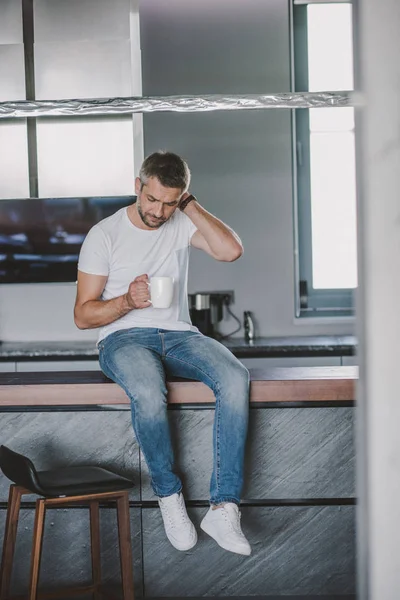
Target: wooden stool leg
95,547
10,535
125,546
37,547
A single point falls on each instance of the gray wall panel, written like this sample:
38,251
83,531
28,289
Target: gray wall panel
241,162
12,72
75,20
52,440
11,22
94,69
295,551
14,176
51,304
239,165
66,548
291,453
215,47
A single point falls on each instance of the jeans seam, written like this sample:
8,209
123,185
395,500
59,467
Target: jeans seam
162,345
185,362
217,418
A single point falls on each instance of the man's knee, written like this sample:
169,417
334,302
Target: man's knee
235,381
240,376
141,378
149,402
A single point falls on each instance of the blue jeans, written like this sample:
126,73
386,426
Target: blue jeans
137,360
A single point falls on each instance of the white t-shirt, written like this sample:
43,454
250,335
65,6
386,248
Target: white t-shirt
115,247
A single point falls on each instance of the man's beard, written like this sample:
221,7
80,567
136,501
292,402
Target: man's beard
145,220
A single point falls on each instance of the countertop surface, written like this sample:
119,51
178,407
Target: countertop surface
313,385
263,347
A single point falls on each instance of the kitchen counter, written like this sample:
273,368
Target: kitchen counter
298,501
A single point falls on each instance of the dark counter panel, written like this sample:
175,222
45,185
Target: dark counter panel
296,551
291,454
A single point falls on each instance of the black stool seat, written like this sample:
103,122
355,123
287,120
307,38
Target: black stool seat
77,481
65,481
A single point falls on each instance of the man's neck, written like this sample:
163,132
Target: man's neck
136,219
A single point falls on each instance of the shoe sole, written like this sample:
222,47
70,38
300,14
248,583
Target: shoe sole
203,526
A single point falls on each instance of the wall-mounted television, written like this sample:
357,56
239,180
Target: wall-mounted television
40,238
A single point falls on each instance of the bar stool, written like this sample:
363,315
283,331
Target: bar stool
59,488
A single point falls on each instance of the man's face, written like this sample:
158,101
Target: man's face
156,203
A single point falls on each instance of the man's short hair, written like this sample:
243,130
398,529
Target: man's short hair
169,168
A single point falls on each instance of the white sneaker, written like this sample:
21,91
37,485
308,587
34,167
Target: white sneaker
178,527
223,524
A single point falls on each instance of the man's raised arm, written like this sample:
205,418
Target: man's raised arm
212,235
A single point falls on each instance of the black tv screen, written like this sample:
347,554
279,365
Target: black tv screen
40,238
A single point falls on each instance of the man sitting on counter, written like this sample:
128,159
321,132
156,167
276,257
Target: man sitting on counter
132,283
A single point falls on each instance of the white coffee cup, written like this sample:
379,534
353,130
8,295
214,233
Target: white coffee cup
161,291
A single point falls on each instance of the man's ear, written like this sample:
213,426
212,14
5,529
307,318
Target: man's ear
138,185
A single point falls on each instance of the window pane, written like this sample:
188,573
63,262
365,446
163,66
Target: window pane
331,119
333,210
330,47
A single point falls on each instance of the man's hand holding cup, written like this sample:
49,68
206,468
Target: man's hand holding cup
158,291
138,294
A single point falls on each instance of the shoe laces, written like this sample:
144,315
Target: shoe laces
233,517
175,511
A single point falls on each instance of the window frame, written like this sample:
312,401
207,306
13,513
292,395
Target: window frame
310,302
